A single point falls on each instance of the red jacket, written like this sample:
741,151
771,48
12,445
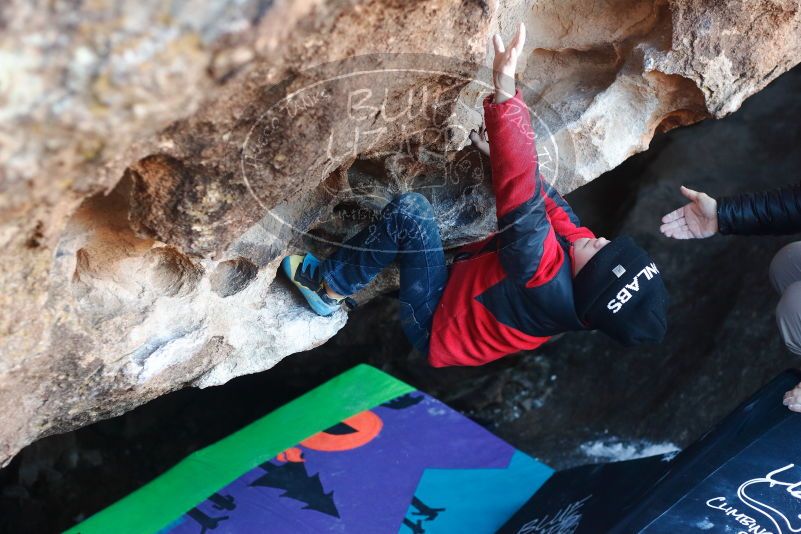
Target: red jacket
514,289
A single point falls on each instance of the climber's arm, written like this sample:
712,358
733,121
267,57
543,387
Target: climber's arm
563,220
528,250
527,246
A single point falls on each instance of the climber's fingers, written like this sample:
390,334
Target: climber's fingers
518,41
515,45
498,43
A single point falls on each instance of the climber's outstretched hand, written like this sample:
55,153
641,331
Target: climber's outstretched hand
505,63
696,220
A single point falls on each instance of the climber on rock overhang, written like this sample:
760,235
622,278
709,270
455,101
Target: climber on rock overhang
539,275
776,212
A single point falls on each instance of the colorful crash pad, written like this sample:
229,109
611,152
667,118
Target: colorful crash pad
361,453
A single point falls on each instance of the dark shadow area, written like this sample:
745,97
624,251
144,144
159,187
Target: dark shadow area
580,399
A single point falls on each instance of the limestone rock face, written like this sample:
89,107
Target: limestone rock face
157,159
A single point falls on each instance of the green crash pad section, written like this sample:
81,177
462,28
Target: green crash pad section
200,474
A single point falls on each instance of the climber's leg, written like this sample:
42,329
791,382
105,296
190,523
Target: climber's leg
406,225
407,231
423,275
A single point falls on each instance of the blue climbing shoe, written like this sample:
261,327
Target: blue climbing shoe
304,272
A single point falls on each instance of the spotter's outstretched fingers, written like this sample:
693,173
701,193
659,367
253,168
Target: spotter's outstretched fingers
696,220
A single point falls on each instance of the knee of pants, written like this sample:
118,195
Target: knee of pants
412,203
788,317
785,267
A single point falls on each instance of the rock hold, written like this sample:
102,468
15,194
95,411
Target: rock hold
171,273
231,276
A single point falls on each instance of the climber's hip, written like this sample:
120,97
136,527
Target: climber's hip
405,232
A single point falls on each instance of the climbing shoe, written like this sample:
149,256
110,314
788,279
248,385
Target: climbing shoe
304,272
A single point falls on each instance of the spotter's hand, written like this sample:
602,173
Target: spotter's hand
696,220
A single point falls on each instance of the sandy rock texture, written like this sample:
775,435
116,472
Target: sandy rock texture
157,159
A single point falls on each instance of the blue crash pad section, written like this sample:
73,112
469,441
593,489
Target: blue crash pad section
479,500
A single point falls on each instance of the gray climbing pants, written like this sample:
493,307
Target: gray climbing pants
785,275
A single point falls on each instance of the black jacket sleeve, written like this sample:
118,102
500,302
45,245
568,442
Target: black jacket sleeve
773,212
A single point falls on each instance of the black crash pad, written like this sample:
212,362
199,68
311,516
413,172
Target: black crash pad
742,476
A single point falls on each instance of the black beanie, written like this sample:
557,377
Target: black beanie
620,292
